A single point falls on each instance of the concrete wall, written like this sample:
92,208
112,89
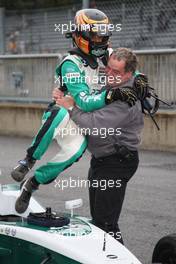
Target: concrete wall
25,119
20,119
165,139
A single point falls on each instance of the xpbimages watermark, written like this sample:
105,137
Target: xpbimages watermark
102,132
75,77
75,230
71,27
84,183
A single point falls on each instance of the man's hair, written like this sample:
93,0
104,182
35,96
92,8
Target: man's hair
128,56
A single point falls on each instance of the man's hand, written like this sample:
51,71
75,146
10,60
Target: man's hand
57,94
66,102
124,94
141,86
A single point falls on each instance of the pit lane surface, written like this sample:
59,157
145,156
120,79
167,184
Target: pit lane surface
149,210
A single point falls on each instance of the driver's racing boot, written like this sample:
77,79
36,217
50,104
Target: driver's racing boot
28,186
23,167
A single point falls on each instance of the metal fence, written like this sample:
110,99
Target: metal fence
31,77
145,24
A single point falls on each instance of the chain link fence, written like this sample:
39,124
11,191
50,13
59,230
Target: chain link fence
147,24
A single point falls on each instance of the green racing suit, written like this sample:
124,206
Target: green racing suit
82,84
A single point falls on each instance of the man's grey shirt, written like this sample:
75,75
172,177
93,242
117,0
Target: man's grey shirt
117,116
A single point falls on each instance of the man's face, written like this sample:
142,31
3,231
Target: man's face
115,72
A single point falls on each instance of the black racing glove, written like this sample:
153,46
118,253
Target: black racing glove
141,86
124,94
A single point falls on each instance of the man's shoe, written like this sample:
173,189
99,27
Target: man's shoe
20,171
23,200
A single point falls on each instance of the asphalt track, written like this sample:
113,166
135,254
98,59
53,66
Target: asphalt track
149,210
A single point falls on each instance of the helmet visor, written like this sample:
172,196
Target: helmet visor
102,30
90,31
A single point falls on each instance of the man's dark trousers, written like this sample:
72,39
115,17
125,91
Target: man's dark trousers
112,172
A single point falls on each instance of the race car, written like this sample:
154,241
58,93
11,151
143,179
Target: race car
40,236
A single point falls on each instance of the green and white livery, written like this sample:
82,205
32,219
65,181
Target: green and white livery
77,242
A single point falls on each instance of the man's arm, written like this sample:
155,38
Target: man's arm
114,114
